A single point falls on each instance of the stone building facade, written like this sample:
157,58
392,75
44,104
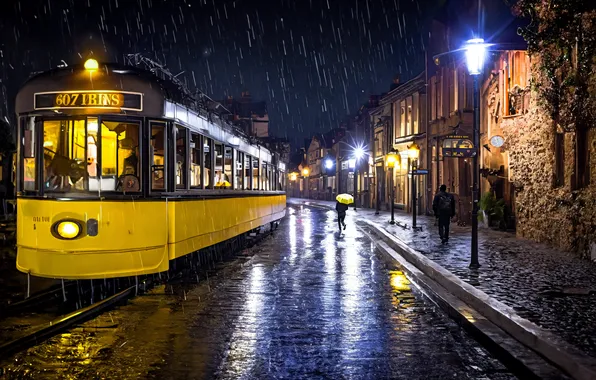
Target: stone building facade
539,160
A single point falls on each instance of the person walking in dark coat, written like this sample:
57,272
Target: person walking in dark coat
444,208
341,214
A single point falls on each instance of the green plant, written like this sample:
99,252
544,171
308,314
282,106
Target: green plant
493,208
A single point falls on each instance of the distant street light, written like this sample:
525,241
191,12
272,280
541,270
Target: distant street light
293,176
305,172
392,163
475,53
328,164
358,154
414,153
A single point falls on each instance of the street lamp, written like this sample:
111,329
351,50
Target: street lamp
328,164
475,52
414,153
392,160
358,154
305,172
293,176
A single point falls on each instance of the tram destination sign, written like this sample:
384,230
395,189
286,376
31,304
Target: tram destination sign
131,101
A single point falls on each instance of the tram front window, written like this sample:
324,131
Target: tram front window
119,156
71,158
64,155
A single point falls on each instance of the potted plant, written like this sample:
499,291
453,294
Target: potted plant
493,210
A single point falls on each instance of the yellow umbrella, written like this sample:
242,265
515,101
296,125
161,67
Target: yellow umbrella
223,184
345,199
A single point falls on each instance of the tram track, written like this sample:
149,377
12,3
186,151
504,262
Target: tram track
19,313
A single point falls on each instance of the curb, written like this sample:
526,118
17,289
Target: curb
502,317
522,361
574,362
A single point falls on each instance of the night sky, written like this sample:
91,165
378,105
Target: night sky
312,61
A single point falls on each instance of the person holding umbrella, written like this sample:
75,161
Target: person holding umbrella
343,200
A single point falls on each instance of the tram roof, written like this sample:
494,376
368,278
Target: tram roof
169,89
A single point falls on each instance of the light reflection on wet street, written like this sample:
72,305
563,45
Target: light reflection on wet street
309,304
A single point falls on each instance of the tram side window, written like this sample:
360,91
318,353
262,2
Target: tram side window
65,164
219,176
239,172
195,160
247,168
180,157
29,167
228,164
264,177
255,174
120,156
208,162
157,153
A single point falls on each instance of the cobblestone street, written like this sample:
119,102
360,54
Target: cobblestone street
537,281
310,304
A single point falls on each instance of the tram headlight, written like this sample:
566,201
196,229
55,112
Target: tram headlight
67,229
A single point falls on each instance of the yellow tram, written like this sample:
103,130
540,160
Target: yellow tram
120,171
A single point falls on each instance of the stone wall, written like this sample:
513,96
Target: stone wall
557,215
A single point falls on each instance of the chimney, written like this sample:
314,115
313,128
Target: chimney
395,83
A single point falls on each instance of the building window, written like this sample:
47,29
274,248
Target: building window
415,112
403,119
559,159
379,144
516,77
409,116
583,158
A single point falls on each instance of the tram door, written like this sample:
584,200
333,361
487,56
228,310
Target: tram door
157,154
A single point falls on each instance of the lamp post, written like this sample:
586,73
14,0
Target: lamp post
414,153
305,173
358,154
475,51
328,167
391,161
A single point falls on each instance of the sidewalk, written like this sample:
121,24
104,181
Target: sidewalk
553,289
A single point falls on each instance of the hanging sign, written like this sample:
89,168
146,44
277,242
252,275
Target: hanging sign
458,146
131,101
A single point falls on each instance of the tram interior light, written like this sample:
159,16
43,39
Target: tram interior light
92,125
328,164
91,64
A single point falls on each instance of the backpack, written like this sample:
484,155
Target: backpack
445,203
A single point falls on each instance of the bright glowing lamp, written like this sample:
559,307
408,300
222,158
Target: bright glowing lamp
305,172
392,159
91,64
328,163
293,176
358,153
68,229
414,151
475,53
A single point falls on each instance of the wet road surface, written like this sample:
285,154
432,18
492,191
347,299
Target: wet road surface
309,304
